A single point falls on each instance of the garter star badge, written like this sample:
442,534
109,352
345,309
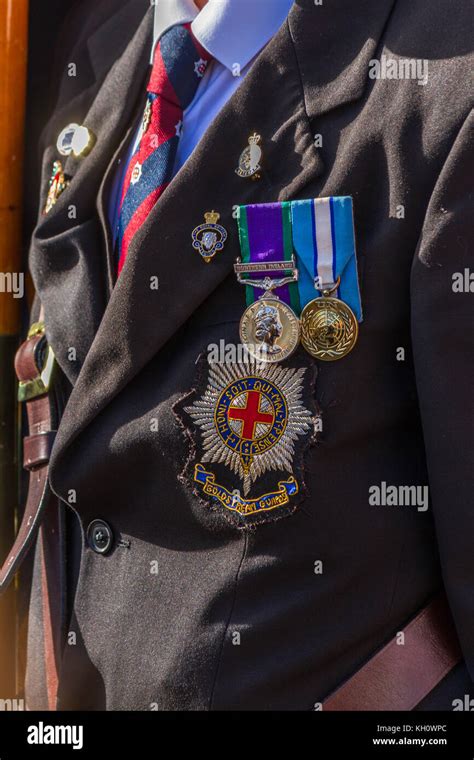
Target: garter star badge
250,426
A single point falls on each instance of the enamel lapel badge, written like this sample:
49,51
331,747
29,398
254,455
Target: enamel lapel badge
250,158
209,238
57,185
250,426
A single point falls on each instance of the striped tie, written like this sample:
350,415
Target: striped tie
179,64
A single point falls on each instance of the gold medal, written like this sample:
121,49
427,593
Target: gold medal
329,328
269,330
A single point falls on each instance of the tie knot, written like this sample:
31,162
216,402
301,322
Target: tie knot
179,63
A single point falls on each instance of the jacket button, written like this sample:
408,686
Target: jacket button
100,536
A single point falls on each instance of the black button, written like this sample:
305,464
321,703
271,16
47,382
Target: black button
100,536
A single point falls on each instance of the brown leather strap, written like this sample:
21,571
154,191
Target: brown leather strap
401,675
37,450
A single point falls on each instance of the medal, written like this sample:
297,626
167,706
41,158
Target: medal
249,161
323,238
329,327
57,184
269,328
209,238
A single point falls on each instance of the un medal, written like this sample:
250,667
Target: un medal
269,330
329,328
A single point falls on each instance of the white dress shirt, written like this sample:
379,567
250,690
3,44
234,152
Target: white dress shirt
233,32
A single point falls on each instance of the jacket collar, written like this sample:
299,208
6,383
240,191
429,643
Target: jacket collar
334,43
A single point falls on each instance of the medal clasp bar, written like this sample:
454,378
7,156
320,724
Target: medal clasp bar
268,283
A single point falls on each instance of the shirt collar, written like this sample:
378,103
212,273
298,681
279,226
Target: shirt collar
232,31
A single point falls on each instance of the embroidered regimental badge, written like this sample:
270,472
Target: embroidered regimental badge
250,426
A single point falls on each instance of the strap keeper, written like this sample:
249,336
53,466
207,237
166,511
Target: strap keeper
37,449
35,364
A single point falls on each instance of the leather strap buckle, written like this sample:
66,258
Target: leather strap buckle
45,362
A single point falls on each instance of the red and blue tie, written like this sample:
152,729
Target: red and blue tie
178,66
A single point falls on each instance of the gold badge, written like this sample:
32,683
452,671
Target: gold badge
75,140
329,328
250,158
57,184
209,238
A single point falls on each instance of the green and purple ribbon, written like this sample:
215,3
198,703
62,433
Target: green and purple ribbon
265,237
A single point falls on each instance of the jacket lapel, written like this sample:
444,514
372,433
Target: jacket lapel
139,318
67,255
334,43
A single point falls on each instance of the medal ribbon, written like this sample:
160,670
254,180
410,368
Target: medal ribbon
324,241
265,236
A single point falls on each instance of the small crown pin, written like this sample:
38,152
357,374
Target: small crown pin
212,217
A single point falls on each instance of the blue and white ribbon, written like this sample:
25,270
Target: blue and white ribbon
324,243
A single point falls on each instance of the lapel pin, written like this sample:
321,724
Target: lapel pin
64,141
209,238
82,142
57,184
147,113
136,173
75,140
250,158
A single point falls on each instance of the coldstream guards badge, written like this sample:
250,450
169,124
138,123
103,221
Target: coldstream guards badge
250,425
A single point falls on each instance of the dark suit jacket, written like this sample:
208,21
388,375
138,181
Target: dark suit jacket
142,639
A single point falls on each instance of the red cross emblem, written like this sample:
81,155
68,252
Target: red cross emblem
250,415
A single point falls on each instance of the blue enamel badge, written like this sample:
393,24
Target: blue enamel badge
209,238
